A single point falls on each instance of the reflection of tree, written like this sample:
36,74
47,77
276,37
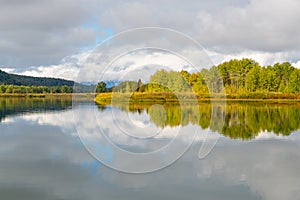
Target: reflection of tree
234,120
159,115
13,106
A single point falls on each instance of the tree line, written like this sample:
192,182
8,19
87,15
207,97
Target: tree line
15,89
231,77
234,76
14,79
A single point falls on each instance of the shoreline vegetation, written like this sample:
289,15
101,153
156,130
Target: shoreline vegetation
234,80
67,96
159,97
168,97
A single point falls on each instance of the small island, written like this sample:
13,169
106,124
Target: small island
235,80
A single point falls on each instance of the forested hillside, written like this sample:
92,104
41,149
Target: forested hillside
13,79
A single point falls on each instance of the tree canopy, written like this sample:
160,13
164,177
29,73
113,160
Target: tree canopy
231,77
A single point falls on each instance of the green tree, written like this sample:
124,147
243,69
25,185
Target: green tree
283,72
252,79
65,89
212,79
185,74
9,89
267,79
101,87
282,86
294,81
2,88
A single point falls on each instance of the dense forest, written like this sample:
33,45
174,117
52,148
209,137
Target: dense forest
17,84
243,76
13,79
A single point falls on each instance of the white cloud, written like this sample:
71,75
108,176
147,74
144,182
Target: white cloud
264,30
65,71
87,66
8,70
297,64
263,58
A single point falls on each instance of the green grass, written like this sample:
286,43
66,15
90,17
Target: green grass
67,96
31,95
108,98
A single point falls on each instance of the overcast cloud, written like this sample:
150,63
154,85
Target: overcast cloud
50,38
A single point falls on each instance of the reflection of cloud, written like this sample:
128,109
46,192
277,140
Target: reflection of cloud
7,120
62,119
254,170
264,135
260,165
37,156
121,127
267,167
41,160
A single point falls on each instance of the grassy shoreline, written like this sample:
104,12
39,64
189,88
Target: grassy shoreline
139,97
147,97
89,96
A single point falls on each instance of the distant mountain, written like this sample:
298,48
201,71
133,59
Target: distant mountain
88,83
13,79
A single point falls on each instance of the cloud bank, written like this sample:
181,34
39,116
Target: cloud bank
38,37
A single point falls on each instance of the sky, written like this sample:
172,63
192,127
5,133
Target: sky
59,38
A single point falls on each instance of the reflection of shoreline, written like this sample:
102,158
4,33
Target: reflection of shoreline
15,106
236,120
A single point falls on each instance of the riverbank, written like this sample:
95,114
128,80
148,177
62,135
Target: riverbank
88,96
107,98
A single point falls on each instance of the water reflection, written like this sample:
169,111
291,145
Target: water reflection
41,157
15,106
234,120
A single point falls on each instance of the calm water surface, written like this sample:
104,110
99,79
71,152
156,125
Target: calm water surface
257,155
